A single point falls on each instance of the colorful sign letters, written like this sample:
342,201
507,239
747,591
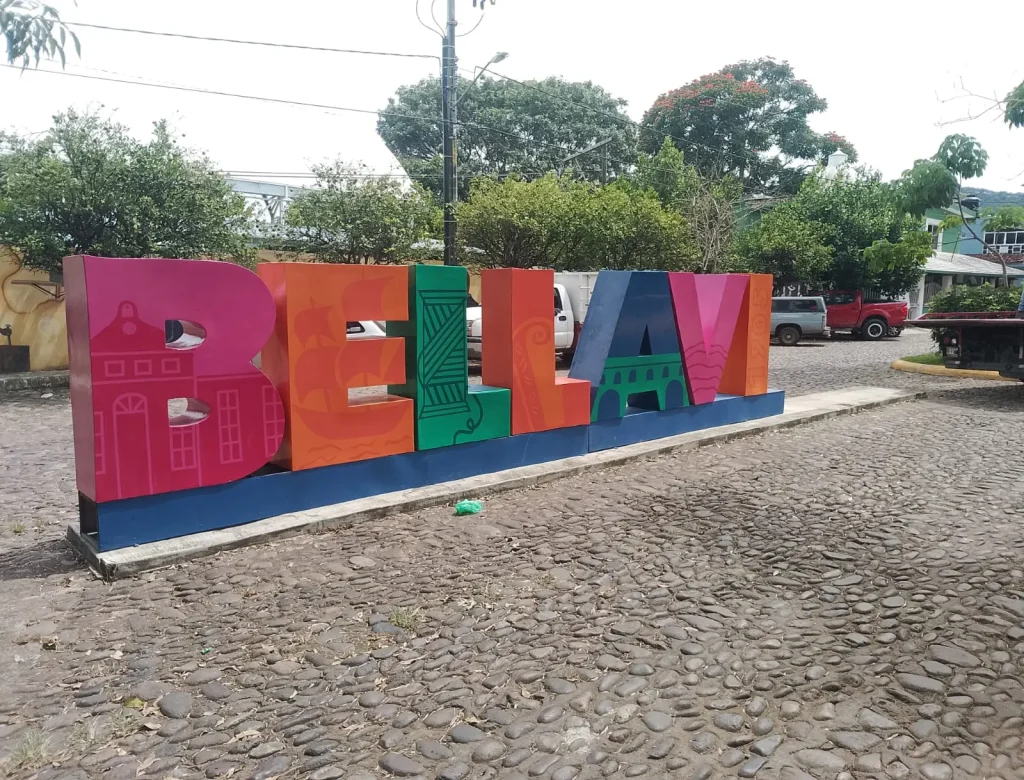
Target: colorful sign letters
177,431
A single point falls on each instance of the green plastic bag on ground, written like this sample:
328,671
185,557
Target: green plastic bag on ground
469,508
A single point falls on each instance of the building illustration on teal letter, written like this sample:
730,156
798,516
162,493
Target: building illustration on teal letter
660,377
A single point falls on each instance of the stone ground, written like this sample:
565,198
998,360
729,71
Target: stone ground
843,600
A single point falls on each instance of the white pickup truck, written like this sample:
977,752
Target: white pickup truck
571,299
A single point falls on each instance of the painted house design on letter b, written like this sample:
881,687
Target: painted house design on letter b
139,448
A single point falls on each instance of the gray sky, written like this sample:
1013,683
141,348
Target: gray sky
884,69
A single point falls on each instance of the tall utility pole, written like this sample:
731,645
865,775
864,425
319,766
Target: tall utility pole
449,75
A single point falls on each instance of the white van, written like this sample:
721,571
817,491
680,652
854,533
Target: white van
571,299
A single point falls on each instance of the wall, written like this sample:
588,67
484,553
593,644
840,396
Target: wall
36,318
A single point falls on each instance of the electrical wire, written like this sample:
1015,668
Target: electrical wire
219,93
322,106
626,120
616,117
424,24
434,18
473,30
243,42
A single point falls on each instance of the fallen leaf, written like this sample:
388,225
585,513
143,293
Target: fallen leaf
135,703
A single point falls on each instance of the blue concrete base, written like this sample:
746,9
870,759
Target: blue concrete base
641,425
133,521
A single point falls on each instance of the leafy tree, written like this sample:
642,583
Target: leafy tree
870,241
965,159
962,156
620,227
506,127
897,265
87,187
514,222
32,30
929,184
749,119
1015,106
832,142
562,223
355,218
788,246
1003,218
708,206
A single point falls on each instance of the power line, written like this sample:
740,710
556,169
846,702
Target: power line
213,39
218,93
284,101
243,42
321,106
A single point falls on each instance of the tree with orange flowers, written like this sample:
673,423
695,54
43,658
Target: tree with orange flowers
749,120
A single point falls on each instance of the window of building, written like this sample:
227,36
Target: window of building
273,421
143,368
183,447
101,442
114,368
171,365
1006,241
229,426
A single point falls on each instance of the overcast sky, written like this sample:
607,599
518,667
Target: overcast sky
884,69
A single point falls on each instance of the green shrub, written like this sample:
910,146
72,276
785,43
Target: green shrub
962,297
982,298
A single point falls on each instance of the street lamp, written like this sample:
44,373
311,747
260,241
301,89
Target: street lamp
501,56
449,122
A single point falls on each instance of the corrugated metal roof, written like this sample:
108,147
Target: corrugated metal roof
952,263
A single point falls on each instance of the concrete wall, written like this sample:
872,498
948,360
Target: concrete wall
36,318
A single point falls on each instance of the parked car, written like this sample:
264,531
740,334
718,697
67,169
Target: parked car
571,298
871,320
793,318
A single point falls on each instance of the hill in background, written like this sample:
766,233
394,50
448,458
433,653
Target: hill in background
993,199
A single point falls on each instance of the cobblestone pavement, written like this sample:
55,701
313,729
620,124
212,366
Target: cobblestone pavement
843,600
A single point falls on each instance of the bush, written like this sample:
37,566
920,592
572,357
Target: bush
982,298
962,297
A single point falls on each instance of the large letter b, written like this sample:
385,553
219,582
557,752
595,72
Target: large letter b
163,390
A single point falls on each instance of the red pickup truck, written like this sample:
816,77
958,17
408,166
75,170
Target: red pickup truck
869,320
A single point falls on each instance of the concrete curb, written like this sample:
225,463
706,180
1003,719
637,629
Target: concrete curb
952,373
34,380
801,410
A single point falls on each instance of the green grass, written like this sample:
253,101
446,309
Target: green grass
32,753
405,619
928,359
